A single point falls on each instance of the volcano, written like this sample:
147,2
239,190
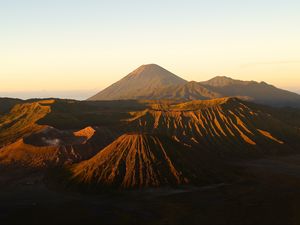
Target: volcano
152,82
137,160
141,82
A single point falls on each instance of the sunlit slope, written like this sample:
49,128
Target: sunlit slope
187,91
225,124
51,147
143,160
6,104
52,132
151,82
175,144
22,120
213,123
26,143
61,132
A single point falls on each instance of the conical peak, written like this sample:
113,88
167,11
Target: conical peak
151,65
151,70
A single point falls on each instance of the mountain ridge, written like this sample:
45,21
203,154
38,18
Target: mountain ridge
139,82
152,82
259,92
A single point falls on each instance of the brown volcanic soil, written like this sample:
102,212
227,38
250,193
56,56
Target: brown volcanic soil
143,160
187,132
51,147
87,132
6,104
227,126
174,141
22,120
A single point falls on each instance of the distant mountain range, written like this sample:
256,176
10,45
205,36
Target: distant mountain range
141,82
152,82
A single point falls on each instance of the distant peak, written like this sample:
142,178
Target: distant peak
221,78
221,81
149,67
193,82
141,82
154,70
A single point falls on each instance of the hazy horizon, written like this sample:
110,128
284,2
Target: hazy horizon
56,47
70,94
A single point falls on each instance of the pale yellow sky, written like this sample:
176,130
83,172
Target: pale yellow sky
77,67
63,46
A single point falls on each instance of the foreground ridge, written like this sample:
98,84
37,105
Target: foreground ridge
139,160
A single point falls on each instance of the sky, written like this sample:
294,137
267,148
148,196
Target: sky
75,48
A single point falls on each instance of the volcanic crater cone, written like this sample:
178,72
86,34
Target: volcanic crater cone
139,160
141,82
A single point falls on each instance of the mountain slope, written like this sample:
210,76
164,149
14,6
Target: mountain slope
52,147
152,82
142,160
222,81
224,125
6,104
22,120
173,144
214,123
188,91
140,82
257,92
143,143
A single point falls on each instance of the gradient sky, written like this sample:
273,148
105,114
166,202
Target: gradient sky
73,48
